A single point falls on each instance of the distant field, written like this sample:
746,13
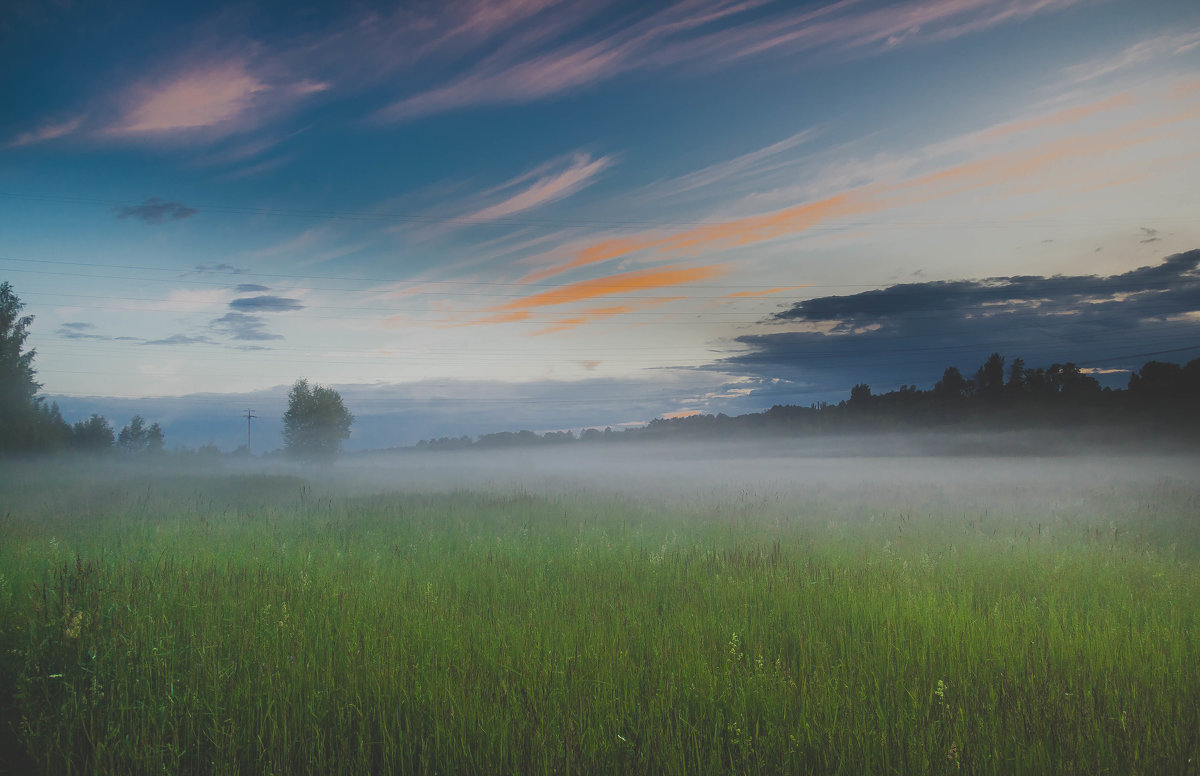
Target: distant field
553,616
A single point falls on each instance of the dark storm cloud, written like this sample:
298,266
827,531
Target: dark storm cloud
155,211
908,333
241,326
250,288
266,304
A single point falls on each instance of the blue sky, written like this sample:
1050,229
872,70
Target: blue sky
474,216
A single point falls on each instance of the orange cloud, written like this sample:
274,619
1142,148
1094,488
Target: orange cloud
680,414
641,280
513,317
594,254
587,316
1058,118
996,168
768,292
597,313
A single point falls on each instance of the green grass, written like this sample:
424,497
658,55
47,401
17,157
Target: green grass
269,625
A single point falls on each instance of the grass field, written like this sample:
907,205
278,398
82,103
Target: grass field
268,624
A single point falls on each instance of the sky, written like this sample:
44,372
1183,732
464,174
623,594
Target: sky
473,216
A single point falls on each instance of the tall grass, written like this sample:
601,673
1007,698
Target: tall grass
269,625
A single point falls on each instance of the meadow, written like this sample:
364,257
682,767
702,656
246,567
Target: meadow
881,620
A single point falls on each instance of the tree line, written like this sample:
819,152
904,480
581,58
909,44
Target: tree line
314,426
1161,398
29,425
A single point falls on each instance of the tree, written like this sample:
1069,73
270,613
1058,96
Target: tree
989,379
953,387
316,423
25,424
93,434
139,439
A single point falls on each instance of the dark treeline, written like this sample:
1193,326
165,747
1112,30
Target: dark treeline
29,425
1161,398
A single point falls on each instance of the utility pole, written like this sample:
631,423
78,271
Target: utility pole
249,417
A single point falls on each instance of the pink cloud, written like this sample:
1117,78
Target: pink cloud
46,132
547,54
193,100
546,188
210,99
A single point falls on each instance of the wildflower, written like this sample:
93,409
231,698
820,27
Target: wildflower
74,626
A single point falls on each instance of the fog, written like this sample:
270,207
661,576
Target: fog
1046,466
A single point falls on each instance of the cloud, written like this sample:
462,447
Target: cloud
46,132
552,50
843,27
723,235
548,186
266,304
155,211
249,288
907,333
219,269
240,326
181,339
627,282
594,314
1029,164
192,100
766,292
211,98
1150,235
78,330
750,166
1159,47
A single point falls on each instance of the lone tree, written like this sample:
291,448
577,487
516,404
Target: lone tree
315,424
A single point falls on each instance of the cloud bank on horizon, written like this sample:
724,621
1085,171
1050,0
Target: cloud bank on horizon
742,202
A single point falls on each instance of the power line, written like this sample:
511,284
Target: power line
249,417
570,223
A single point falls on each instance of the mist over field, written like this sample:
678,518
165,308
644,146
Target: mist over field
933,603
607,387
842,463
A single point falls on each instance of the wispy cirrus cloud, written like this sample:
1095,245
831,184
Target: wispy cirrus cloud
1026,156
852,29
752,166
623,283
593,314
1171,44
543,185
551,52
765,292
626,283
49,131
